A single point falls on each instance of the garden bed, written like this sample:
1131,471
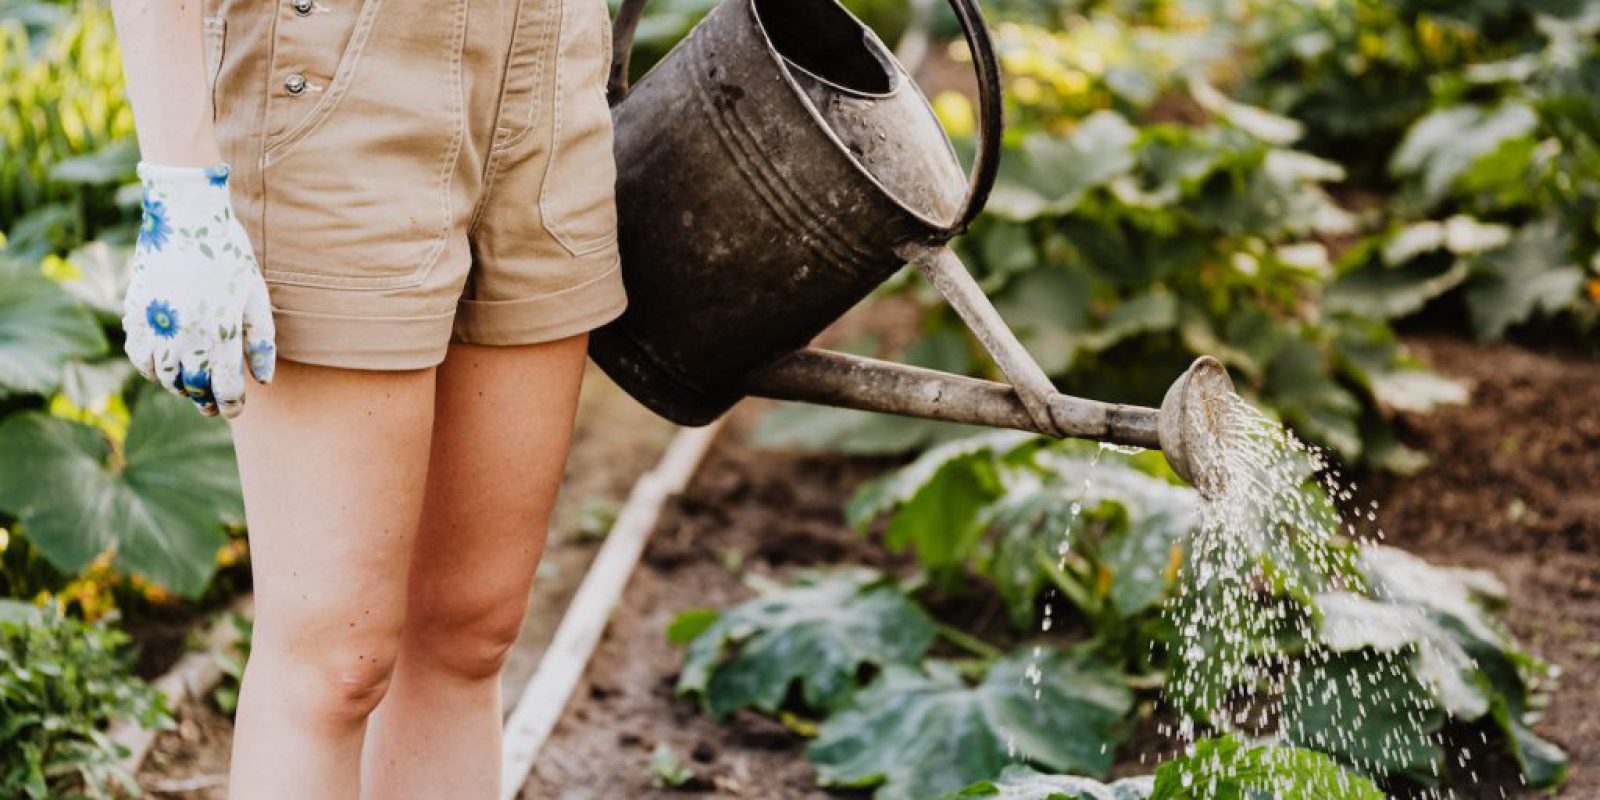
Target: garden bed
1509,490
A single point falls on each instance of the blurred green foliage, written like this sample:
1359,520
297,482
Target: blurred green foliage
86,483
61,682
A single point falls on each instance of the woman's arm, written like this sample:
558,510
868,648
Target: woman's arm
163,57
196,312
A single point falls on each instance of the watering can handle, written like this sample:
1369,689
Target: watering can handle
990,111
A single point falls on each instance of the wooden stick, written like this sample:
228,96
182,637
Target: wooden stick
564,661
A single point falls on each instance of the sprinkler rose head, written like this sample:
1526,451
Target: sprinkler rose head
1191,424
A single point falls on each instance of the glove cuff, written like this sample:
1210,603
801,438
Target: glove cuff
215,175
191,202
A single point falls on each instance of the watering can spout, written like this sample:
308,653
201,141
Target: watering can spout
1187,427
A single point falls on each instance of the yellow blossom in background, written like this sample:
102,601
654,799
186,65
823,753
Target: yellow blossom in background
236,551
955,113
59,269
151,591
110,415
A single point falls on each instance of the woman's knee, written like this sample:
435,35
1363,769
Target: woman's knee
469,634
335,681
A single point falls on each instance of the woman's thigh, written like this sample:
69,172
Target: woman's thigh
501,430
334,463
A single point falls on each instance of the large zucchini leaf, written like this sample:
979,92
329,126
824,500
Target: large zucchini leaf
817,634
921,733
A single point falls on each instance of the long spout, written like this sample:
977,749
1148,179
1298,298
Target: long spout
837,379
1185,427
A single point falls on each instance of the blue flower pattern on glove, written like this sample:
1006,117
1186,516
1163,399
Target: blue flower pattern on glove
162,318
262,360
195,383
154,229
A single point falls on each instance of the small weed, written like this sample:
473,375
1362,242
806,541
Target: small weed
670,771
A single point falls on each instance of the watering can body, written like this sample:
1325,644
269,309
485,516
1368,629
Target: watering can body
773,169
769,168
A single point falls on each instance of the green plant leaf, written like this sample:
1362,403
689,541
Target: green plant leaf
1543,764
1049,175
1424,643
90,384
62,681
1352,623
1443,145
668,769
920,733
937,499
816,634
41,329
1368,710
1227,769
688,625
1022,783
1392,292
1127,522
97,274
1532,275
161,502
113,163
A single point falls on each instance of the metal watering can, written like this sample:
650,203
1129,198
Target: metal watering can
775,167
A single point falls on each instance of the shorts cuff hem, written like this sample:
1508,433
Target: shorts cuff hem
545,318
372,343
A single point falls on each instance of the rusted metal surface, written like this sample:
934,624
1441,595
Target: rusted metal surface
768,170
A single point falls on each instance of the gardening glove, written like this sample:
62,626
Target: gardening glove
196,311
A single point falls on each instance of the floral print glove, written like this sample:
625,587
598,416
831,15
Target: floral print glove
196,312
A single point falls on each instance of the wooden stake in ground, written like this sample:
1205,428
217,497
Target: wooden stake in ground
545,697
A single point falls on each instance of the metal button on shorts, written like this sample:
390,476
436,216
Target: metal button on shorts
415,173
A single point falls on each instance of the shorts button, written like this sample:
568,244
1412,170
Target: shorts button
295,83
301,7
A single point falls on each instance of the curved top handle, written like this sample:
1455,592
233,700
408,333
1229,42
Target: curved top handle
990,109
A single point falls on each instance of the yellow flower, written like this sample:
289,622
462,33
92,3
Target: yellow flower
955,113
1026,90
59,269
1070,82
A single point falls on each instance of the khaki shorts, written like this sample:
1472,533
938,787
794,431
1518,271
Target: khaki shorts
414,173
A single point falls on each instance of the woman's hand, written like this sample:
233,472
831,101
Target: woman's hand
196,312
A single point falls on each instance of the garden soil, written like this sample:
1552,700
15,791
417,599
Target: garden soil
1511,489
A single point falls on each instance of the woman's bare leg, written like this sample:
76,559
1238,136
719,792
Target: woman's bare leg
503,422
334,463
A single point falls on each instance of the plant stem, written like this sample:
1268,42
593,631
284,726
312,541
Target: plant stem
969,643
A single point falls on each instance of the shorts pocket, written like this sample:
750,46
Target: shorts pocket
215,37
362,199
577,199
316,47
